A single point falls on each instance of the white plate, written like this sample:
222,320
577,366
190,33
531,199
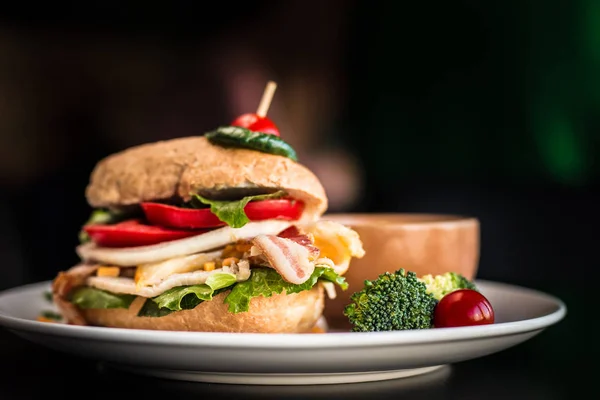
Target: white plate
283,359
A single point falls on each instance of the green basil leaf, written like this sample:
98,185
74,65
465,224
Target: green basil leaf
236,136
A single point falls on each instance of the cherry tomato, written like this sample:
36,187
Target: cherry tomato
189,218
256,123
131,233
464,307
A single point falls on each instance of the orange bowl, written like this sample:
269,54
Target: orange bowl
423,243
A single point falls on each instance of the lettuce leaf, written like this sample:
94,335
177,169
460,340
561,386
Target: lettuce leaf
177,298
186,297
151,309
332,276
52,315
262,282
266,281
232,212
89,297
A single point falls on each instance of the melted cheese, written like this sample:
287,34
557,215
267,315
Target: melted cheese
108,271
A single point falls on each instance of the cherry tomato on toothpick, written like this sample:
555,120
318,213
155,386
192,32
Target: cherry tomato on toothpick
256,123
464,307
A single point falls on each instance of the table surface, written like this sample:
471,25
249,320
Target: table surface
541,368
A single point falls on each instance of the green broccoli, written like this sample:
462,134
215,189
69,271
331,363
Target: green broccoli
393,301
441,285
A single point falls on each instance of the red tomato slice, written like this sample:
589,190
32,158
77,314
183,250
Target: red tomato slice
256,123
188,218
132,233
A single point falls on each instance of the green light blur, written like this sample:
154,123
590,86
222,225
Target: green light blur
569,88
560,150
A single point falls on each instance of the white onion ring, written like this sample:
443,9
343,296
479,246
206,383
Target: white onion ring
131,256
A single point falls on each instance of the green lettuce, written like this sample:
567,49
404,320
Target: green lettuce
332,276
186,297
89,297
262,282
232,212
266,281
52,315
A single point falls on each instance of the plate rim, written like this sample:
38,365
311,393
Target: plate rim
290,340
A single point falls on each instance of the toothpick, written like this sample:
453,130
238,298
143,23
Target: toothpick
265,101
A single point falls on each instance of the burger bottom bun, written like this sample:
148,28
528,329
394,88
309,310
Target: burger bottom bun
280,313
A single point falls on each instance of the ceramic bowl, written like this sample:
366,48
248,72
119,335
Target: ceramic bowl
423,243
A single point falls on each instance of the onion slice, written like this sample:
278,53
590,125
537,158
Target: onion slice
215,239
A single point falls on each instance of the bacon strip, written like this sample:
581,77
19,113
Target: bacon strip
292,231
294,234
289,258
62,286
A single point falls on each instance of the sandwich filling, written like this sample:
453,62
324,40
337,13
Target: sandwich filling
178,256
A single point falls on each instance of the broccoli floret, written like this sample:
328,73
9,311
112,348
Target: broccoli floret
441,285
393,301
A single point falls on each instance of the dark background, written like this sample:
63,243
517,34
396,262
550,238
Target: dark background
489,109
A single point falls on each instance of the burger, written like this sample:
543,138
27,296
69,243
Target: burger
220,232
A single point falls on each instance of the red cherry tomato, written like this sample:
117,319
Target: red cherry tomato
132,233
189,218
256,123
464,307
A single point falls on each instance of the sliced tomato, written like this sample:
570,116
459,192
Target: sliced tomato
132,233
288,209
189,218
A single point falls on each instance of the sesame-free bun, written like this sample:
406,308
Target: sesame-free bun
176,168
280,313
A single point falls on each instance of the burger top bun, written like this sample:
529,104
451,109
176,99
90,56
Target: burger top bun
177,168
